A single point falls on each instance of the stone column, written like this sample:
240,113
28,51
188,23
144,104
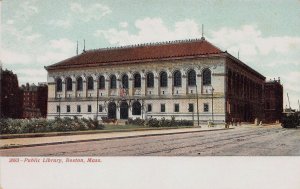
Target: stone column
130,86
84,88
143,85
183,84
156,86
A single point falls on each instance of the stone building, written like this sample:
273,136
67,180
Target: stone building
34,100
10,95
185,79
273,101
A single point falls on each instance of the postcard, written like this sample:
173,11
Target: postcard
149,94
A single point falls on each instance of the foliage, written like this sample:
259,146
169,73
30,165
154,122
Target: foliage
16,126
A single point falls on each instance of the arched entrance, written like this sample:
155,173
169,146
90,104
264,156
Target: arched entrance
124,110
112,110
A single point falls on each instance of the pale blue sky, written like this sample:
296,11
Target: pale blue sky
37,33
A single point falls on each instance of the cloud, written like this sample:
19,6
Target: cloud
63,23
84,13
90,12
123,24
15,57
31,75
291,81
249,40
151,30
26,10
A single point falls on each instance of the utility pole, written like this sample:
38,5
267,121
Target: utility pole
212,104
97,102
298,105
197,105
59,99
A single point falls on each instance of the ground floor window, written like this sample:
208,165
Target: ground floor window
89,108
78,108
205,107
176,107
136,108
57,108
162,108
191,107
100,108
149,108
68,108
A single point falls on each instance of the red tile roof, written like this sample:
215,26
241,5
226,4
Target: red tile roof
139,53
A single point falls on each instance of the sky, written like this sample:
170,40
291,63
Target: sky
266,34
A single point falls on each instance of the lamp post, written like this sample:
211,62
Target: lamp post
59,99
197,105
97,109
212,104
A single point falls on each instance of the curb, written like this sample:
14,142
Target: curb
101,139
69,133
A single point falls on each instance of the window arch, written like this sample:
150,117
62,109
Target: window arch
206,76
113,82
163,79
136,108
125,81
191,78
58,85
90,83
79,84
177,79
101,82
150,79
69,84
137,80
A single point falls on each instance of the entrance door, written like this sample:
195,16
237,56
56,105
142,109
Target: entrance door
112,110
124,110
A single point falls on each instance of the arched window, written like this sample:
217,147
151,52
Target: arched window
191,78
90,83
150,80
58,85
125,81
163,79
206,76
79,84
69,84
113,82
136,108
101,82
137,80
177,79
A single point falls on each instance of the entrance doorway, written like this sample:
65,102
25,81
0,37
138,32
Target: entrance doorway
124,110
112,110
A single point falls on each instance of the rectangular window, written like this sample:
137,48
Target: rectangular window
149,108
57,108
78,108
89,108
68,108
162,108
205,107
191,107
100,108
176,107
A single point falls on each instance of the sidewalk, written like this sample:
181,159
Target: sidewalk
40,141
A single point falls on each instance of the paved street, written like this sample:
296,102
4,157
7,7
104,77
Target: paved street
249,140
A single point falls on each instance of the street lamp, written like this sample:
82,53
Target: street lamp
59,108
212,104
197,105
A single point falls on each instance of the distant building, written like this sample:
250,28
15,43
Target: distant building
273,101
10,95
34,100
